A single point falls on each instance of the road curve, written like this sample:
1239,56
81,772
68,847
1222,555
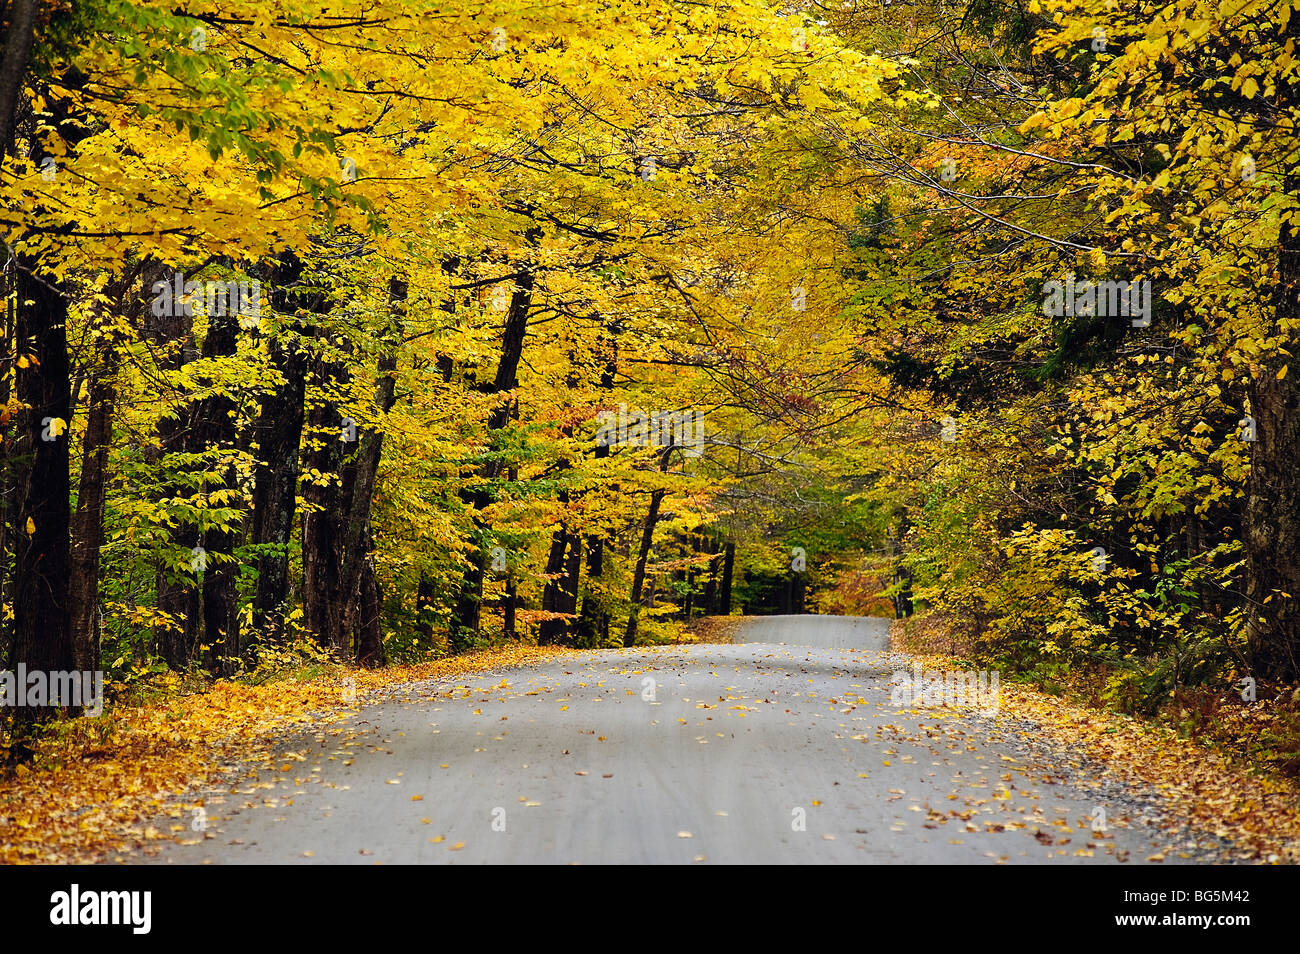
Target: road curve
784,747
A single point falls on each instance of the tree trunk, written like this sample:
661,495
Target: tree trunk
724,590
469,604
710,597
370,639
40,458
88,521
323,502
275,483
19,35
1272,525
177,594
568,601
213,429
467,617
593,623
357,540
549,629
688,601
508,609
8,486
42,558
643,555
356,528
337,541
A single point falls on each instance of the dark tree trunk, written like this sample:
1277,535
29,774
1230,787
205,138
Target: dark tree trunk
357,541
87,523
724,589
337,542
8,487
41,458
20,32
323,501
593,623
339,534
1272,525
643,555
568,601
710,597
469,605
467,618
370,640
275,483
88,520
688,601
508,609
213,429
903,599
550,629
177,594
